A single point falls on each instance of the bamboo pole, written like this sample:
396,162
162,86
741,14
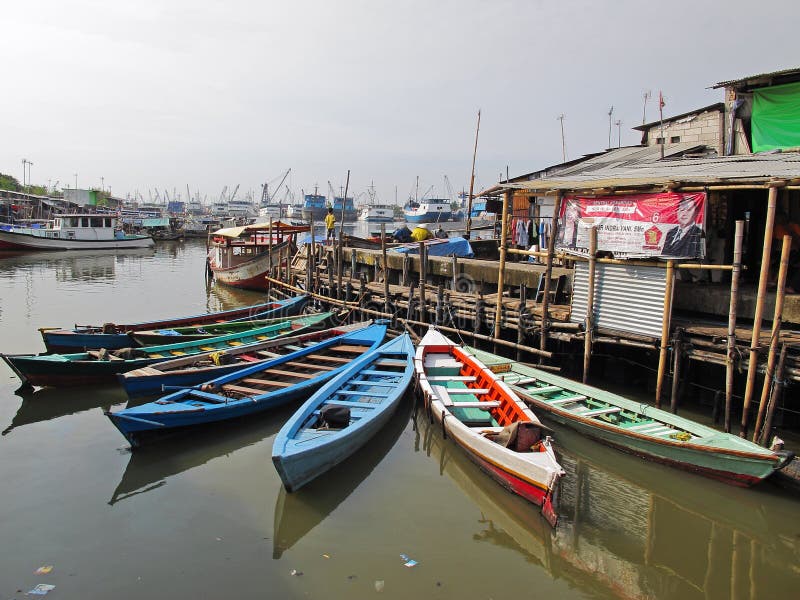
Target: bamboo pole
501,272
775,398
587,342
423,309
730,361
665,323
677,351
752,366
385,269
548,271
780,295
472,178
523,299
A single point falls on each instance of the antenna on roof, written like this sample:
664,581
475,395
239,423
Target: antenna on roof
618,123
610,112
563,143
646,97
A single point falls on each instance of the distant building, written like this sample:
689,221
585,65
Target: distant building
700,126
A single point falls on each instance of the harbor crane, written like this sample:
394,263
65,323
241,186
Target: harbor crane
222,195
236,189
265,195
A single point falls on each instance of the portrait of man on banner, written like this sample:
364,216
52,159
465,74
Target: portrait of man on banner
686,238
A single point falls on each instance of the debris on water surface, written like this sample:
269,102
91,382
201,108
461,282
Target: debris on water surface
41,590
326,556
295,573
44,570
407,561
379,584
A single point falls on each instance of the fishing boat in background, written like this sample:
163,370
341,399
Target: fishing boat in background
344,414
638,428
247,391
112,336
79,231
488,421
191,370
102,366
315,207
241,256
174,335
428,211
376,213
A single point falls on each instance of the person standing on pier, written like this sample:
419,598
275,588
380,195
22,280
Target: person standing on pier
330,225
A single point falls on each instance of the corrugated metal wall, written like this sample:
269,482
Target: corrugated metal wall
625,298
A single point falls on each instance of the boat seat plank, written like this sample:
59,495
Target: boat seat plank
567,400
270,382
523,381
351,404
388,362
601,411
641,426
389,384
357,393
464,378
349,348
481,405
374,372
267,354
294,363
336,359
242,389
471,391
292,373
547,389
292,347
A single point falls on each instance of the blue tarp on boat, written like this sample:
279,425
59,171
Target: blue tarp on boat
456,246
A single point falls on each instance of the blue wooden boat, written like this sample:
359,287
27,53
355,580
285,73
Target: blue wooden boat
363,397
102,366
112,336
250,390
191,370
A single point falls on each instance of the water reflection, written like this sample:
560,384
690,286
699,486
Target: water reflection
150,466
637,530
71,265
298,513
51,403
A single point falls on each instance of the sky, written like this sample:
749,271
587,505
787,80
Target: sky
165,94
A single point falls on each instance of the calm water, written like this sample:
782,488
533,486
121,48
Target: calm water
206,517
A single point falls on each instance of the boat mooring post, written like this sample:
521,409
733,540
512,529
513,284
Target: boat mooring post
780,295
775,397
587,340
523,300
752,365
665,323
548,271
269,259
423,309
501,272
385,270
677,351
730,359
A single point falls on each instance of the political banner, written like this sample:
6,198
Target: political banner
667,225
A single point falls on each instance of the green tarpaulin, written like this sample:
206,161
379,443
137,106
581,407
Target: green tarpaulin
776,117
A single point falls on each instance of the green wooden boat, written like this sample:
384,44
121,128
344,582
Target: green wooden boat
638,428
174,335
102,366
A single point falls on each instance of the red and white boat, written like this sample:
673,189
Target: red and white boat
240,256
488,421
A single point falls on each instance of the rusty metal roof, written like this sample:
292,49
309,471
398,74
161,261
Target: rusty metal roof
772,75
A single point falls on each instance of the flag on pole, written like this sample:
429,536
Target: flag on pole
661,102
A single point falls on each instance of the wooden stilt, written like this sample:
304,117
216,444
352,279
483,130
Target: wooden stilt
752,366
677,351
665,323
548,271
422,272
780,295
523,300
730,361
386,307
775,397
587,340
501,272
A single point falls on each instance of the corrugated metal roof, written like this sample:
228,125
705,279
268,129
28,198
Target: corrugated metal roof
703,171
784,72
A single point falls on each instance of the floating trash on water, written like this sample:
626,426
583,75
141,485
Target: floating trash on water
295,573
352,577
407,561
326,556
379,584
411,563
41,590
44,570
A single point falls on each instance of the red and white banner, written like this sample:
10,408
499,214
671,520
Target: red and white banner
669,225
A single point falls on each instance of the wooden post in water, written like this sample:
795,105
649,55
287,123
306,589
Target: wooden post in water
312,280
677,351
775,397
501,272
385,270
523,300
548,270
665,323
780,295
406,268
353,259
752,365
454,267
269,259
730,360
440,305
587,340
330,262
423,309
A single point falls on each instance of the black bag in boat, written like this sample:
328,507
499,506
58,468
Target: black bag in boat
335,417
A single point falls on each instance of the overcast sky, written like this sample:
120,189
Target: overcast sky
164,93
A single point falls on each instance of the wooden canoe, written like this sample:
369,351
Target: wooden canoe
112,336
368,392
483,416
638,428
199,368
247,391
102,366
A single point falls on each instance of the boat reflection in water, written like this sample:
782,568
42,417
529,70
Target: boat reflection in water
49,403
632,529
298,513
72,265
150,467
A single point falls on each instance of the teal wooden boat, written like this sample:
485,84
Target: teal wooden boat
102,366
199,368
344,414
248,391
638,428
173,335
